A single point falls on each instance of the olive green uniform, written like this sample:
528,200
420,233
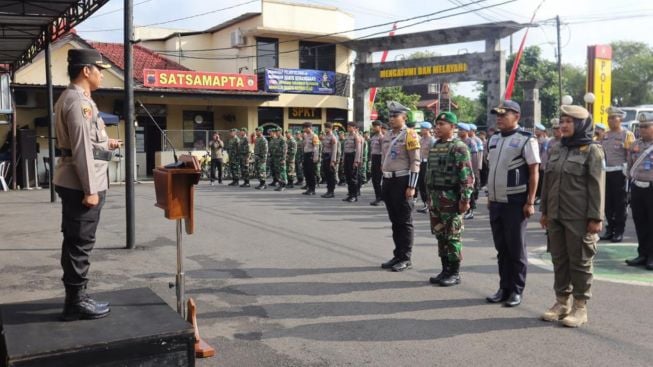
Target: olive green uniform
572,193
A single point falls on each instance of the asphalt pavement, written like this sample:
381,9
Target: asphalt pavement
281,279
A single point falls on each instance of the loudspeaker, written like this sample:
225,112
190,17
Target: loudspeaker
27,143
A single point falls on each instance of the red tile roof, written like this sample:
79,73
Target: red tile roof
143,58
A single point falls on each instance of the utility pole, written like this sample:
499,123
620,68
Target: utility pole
559,62
130,214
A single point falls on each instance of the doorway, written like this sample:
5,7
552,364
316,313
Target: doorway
148,142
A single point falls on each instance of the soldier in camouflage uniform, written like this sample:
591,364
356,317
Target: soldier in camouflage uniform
232,150
244,153
260,158
290,158
450,183
278,158
299,157
342,180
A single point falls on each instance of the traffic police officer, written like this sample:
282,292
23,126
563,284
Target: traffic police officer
329,156
80,178
260,158
513,157
640,170
616,143
400,166
450,182
572,209
375,154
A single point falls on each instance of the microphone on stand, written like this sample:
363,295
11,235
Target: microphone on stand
176,164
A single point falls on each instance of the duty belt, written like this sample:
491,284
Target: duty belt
396,174
642,184
614,168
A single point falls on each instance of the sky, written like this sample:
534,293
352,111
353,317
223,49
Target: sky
584,22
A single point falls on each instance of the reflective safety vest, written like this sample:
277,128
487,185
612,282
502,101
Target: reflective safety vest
508,176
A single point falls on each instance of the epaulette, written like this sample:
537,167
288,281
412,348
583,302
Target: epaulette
525,133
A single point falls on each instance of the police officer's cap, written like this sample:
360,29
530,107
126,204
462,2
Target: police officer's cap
615,111
646,118
377,123
425,125
599,125
307,124
505,106
82,56
577,112
540,127
396,107
447,116
352,123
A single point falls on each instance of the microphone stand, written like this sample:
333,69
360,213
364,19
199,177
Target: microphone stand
176,164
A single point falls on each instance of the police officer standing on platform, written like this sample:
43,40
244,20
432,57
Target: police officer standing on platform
400,166
375,154
640,170
513,157
616,143
80,178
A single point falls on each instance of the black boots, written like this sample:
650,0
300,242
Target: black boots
290,184
233,183
80,306
436,279
245,184
261,185
607,235
451,274
282,187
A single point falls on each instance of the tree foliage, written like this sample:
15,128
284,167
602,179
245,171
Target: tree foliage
632,73
383,95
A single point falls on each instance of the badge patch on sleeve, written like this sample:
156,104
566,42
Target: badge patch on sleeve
412,141
87,112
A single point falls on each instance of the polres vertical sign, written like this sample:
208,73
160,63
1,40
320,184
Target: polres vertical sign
599,80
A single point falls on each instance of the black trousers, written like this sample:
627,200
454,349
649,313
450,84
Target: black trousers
615,201
400,211
421,182
216,164
309,171
78,225
377,175
508,225
641,204
328,172
351,174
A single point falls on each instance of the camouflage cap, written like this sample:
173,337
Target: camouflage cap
448,116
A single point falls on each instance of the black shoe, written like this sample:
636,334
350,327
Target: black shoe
498,297
233,183
280,188
290,186
390,263
638,261
273,184
513,301
617,237
308,192
451,275
246,184
445,268
649,263
422,210
469,214
376,202
352,199
85,308
304,187
607,235
402,265
328,195
346,198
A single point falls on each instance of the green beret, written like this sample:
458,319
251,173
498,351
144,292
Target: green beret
448,116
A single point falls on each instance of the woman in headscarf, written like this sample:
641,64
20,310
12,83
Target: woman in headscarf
572,209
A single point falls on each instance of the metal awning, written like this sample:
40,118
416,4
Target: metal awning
26,25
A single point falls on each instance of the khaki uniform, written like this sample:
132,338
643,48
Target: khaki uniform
573,193
80,130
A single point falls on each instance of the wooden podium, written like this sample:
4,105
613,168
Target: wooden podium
175,194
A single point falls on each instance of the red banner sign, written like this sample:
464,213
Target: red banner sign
199,80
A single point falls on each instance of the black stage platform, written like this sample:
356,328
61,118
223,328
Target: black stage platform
141,330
